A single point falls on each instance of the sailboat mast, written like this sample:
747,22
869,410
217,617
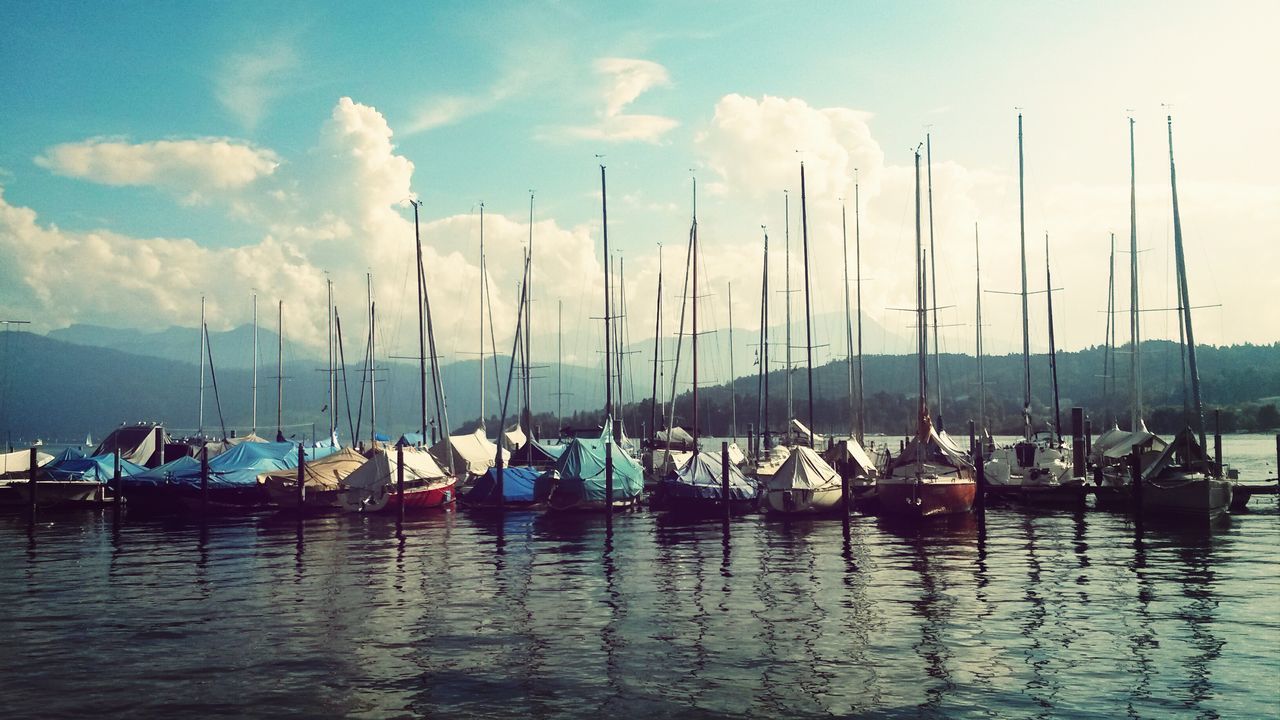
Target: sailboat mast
1135,336
373,388
857,268
331,376
922,331
1026,337
808,313
982,384
848,318
733,392
608,348
933,283
526,414
280,371
559,366
422,325
255,364
1184,297
1053,351
786,265
764,342
483,287
657,353
200,430
694,252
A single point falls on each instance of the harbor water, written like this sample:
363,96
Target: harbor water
1030,614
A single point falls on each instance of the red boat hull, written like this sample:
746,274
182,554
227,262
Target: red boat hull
917,500
435,495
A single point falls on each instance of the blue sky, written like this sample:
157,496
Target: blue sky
261,163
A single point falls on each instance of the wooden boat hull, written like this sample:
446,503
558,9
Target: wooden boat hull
49,493
315,500
1192,495
431,496
918,498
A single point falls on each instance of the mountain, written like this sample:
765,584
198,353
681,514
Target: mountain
230,349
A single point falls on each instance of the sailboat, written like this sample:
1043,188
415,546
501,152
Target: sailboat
1184,480
697,486
1038,459
805,483
929,477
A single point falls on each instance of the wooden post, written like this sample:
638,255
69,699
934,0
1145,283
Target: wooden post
608,479
724,480
400,481
973,437
302,483
1135,469
752,450
1077,442
115,480
980,472
159,444
1278,458
1088,440
1217,443
31,477
500,487
204,478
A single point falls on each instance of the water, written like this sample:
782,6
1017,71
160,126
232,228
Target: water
1041,615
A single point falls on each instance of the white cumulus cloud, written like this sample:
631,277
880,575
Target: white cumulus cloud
182,166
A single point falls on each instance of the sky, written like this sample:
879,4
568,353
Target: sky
156,153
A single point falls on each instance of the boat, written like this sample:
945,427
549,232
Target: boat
930,477
1183,482
578,482
321,483
803,485
519,484
66,488
853,463
374,486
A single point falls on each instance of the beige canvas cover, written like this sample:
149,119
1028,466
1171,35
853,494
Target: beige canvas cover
382,469
326,473
20,461
472,452
804,470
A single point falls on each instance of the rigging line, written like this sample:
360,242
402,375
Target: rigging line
684,301
346,390
214,376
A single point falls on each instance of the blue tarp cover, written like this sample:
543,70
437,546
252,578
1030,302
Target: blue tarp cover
581,470
237,467
700,477
99,467
517,485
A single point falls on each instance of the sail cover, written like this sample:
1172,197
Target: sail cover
472,452
804,469
798,430
702,477
20,461
517,485
1140,438
136,443
99,467
581,471
849,457
326,473
382,470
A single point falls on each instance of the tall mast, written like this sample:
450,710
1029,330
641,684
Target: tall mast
694,251
982,383
1184,297
422,325
764,342
373,387
200,431
786,264
608,348
657,353
332,376
526,413
922,332
559,365
483,286
280,371
1053,351
255,364
808,313
733,392
857,268
1135,336
848,319
933,284
1026,338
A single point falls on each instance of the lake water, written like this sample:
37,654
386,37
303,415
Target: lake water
1031,615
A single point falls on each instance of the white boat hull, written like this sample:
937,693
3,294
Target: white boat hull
802,502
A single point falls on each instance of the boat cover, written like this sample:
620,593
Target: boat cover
849,455
517,485
581,469
1103,442
19,461
101,468
701,477
1184,451
250,438
382,469
411,439
472,451
236,467
935,451
327,473
677,437
804,469
799,430
513,438
1141,437
536,454
137,443
166,473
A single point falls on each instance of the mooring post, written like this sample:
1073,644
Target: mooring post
1278,458
159,431
608,480
1088,440
115,479
1135,469
204,478
302,483
724,479
31,477
973,437
1217,443
400,481
1077,442
751,442
980,471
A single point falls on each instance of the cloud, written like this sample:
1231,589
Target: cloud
625,80
182,166
248,82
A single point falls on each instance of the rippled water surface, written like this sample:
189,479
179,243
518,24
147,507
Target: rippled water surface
1032,614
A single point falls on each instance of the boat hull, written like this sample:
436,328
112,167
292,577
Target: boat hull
49,493
802,502
918,498
431,496
1188,495
315,500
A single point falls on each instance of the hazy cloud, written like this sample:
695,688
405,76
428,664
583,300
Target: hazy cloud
247,82
625,80
182,166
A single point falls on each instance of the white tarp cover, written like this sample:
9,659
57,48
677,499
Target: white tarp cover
250,438
381,469
474,452
665,461
1140,437
850,451
935,451
676,436
799,430
327,473
19,461
736,456
513,439
1106,440
804,470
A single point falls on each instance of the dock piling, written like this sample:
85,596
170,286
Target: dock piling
400,482
31,478
115,481
1135,469
973,438
204,478
1217,443
302,484
980,471
1077,442
608,481
724,480
1088,441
